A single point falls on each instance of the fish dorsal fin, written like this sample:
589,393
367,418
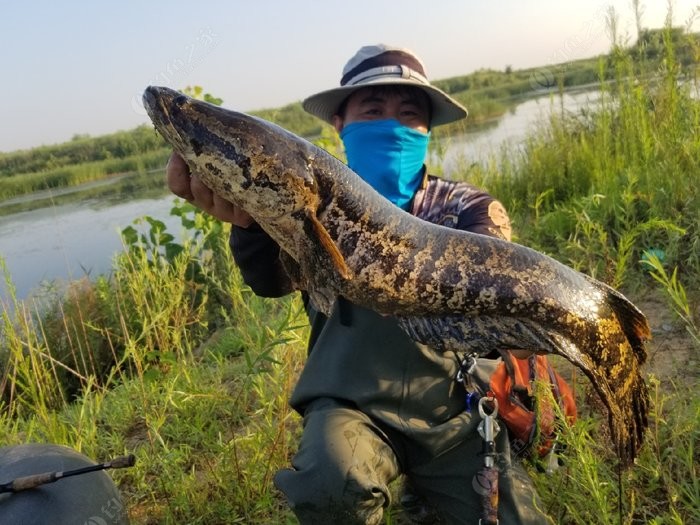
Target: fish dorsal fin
634,323
632,320
328,245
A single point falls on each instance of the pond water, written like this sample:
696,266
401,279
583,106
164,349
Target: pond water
510,128
62,241
75,232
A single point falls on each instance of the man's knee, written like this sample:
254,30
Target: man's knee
325,495
342,469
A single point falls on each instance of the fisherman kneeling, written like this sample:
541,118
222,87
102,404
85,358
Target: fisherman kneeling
377,405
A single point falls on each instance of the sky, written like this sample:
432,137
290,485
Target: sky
80,67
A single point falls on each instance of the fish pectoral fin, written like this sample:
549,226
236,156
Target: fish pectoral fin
293,271
328,245
321,298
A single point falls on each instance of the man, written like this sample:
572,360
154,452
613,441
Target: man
375,404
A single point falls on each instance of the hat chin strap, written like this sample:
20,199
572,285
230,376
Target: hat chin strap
399,71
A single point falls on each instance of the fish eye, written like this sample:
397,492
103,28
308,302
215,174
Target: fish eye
180,100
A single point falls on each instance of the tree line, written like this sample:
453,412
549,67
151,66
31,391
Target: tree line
81,149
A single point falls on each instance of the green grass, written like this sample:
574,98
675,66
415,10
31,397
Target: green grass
174,359
662,487
81,149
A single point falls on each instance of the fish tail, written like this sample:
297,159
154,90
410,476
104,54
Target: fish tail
633,397
629,440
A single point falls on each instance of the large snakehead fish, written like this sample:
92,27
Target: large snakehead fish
451,290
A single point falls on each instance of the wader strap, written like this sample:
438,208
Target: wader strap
486,480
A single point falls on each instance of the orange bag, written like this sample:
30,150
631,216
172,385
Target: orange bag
531,419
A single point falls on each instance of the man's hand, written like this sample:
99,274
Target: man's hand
192,189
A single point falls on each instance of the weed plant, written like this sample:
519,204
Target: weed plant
119,364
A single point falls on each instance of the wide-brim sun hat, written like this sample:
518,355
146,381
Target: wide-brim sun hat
383,65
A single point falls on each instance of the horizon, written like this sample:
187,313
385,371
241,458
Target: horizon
62,81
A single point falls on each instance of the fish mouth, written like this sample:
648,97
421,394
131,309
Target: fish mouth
153,101
157,101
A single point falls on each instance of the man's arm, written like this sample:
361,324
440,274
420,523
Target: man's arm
488,217
257,257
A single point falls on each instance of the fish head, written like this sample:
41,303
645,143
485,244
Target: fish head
250,162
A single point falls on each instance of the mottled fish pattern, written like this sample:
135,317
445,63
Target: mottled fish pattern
452,290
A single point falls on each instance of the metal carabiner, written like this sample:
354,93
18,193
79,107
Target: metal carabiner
494,403
466,367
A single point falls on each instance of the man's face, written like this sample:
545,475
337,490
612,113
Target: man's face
410,106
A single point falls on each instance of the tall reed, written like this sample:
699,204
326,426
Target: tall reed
615,178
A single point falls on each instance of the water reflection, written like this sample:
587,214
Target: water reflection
101,193
69,240
509,130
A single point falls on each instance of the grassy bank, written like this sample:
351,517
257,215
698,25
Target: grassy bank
598,187
173,358
120,364
113,189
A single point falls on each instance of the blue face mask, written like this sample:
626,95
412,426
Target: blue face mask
388,156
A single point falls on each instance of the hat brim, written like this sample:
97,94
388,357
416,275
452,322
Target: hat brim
445,109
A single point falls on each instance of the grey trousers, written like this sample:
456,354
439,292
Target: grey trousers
346,462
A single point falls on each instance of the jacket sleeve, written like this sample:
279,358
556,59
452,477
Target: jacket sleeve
257,257
486,216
